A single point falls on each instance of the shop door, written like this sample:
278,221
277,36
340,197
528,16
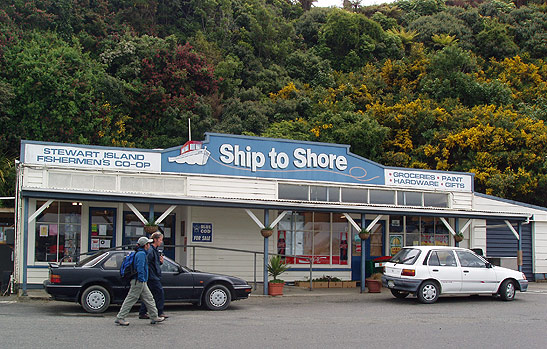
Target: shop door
133,229
102,228
374,247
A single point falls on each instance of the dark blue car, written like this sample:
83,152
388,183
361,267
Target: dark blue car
95,283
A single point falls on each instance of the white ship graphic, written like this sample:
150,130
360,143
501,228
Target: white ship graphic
192,153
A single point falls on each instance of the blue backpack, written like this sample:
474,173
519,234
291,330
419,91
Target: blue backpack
128,270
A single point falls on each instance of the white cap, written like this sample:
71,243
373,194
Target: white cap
143,240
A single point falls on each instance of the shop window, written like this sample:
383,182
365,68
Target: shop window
412,198
309,235
435,200
385,197
318,193
293,192
355,195
102,228
58,232
133,229
412,237
333,194
396,234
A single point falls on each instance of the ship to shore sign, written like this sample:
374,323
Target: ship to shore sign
245,156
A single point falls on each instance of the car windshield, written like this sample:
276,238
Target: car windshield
406,256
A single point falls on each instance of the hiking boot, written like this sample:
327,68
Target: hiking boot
144,316
121,322
156,320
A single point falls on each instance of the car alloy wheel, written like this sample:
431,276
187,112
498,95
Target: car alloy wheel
428,292
507,290
95,299
217,297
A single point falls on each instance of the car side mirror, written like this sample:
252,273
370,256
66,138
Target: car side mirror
180,270
488,265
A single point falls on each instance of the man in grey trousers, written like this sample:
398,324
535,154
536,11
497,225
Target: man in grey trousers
139,288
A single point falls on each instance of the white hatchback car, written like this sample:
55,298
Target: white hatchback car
429,271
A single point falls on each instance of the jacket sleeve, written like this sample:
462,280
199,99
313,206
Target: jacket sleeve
140,264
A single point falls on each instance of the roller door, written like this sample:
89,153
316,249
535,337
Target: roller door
501,242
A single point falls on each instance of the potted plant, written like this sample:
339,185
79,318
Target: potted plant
322,282
364,234
374,283
276,267
458,237
267,231
150,227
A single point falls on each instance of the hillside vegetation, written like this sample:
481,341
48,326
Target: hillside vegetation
431,84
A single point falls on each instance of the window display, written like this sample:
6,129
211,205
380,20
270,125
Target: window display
58,232
102,229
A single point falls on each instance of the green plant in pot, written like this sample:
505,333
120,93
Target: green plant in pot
276,267
364,234
150,227
458,236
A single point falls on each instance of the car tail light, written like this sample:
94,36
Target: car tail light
408,272
55,279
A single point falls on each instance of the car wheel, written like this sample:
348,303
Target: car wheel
95,299
399,294
217,297
428,292
507,290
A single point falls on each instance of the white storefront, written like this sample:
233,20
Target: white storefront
218,193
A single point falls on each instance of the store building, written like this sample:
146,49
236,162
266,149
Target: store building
220,192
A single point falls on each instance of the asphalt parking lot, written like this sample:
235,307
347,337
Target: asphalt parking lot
300,318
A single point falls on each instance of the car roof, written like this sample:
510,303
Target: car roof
427,248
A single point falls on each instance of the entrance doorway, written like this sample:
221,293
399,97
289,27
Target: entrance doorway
374,247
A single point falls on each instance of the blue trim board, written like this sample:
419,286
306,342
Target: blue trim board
33,286
37,266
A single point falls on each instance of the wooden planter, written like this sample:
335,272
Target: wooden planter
335,284
320,284
349,284
373,285
302,283
275,288
150,229
266,232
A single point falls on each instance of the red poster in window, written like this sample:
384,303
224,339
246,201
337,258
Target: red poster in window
343,258
281,244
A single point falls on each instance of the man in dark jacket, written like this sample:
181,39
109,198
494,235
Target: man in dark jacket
155,260
139,289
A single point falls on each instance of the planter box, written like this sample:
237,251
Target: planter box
335,284
349,284
320,284
302,283
373,285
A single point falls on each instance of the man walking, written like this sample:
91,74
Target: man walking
155,260
139,289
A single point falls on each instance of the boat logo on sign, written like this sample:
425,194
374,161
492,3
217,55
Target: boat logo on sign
192,153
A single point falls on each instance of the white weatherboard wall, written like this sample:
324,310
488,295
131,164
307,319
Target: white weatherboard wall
539,229
232,228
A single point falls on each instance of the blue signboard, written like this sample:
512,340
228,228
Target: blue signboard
202,232
271,158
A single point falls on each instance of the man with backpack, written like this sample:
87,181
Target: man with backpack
155,260
139,288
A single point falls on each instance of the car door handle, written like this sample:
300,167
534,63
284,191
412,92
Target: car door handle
466,271
435,270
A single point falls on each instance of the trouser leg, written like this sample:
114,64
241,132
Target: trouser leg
132,298
148,300
156,289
